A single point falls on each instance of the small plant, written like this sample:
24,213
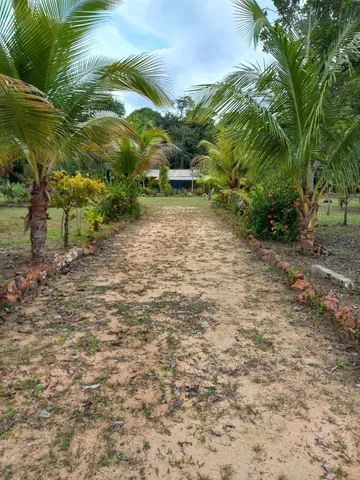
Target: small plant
339,473
146,446
64,440
340,363
89,343
261,342
94,219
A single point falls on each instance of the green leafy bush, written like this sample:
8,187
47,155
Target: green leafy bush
120,199
148,192
272,214
94,219
73,192
234,200
164,184
14,192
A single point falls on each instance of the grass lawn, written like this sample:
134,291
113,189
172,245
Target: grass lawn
173,201
15,243
336,216
12,227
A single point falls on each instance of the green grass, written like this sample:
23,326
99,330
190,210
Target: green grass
173,201
12,228
336,216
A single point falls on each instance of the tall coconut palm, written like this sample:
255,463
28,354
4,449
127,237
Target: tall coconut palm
135,154
286,115
46,45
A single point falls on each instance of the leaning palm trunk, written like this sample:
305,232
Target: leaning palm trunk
36,220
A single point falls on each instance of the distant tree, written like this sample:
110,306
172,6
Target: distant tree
185,134
145,117
183,106
112,104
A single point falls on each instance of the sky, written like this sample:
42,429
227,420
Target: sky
197,40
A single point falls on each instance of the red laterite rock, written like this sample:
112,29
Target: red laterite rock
302,284
346,318
331,304
307,295
283,266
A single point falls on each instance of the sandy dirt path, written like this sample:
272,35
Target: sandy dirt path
175,354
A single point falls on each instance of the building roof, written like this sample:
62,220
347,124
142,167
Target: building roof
177,174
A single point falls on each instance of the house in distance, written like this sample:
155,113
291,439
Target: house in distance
179,179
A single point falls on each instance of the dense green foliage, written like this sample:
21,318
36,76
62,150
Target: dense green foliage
119,200
285,117
272,214
184,132
14,192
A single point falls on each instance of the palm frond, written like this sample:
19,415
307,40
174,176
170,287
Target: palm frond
251,19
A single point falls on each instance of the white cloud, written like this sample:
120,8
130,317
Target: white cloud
197,39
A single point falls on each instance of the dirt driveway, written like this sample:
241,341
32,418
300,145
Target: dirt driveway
175,354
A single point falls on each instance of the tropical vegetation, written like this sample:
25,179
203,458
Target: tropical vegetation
50,85
133,155
294,118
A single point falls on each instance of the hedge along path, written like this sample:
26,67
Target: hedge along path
175,354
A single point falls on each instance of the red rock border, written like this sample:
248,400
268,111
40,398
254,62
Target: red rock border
17,289
307,292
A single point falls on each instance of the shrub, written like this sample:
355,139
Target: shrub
272,214
120,199
15,192
94,219
70,192
164,184
199,191
147,191
234,200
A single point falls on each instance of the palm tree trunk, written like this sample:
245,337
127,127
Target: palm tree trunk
328,211
37,220
308,214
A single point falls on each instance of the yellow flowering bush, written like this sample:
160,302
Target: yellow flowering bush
71,192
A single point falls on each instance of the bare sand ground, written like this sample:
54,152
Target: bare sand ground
175,354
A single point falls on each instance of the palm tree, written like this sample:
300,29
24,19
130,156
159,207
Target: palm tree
286,115
45,46
136,154
223,164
